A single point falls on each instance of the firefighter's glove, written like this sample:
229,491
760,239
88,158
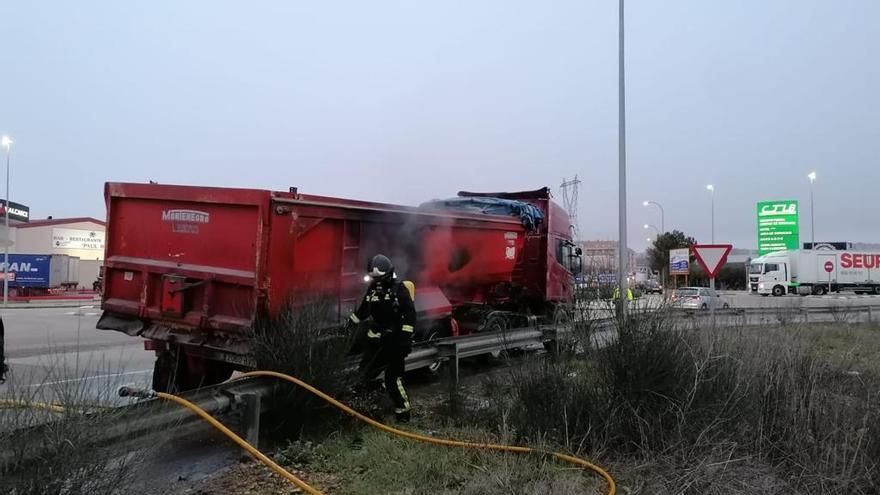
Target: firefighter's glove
350,325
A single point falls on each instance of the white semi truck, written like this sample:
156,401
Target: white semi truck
804,271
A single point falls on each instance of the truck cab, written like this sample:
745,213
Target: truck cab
771,274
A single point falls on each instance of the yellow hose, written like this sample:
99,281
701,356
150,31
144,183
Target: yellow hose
241,442
24,404
612,486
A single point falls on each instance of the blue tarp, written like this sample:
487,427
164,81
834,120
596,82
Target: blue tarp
530,215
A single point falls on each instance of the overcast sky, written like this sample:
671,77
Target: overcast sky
407,101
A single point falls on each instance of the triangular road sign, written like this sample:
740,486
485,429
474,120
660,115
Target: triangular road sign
711,256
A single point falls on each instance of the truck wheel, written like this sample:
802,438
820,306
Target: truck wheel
566,341
820,290
494,323
201,372
167,372
876,291
174,372
778,291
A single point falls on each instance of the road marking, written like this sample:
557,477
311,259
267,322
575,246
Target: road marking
72,380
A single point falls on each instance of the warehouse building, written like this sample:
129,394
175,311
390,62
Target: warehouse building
81,237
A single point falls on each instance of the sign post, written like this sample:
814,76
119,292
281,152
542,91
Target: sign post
712,257
829,267
679,263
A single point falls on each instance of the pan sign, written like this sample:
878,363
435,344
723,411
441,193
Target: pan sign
777,226
17,212
78,239
829,266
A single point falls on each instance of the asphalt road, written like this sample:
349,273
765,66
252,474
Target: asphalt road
57,355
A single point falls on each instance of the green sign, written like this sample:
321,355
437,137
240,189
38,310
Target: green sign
777,226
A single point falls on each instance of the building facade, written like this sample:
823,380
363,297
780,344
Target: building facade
81,237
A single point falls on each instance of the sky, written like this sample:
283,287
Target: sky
404,102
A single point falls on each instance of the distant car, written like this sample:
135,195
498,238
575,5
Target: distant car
697,298
653,287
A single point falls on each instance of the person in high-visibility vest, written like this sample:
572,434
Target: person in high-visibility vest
629,294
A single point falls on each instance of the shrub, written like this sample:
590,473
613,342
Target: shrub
691,396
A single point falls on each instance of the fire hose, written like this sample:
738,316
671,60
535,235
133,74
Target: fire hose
125,391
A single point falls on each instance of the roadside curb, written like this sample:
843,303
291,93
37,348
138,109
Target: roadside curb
69,303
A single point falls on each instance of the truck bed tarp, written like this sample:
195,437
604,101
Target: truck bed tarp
530,216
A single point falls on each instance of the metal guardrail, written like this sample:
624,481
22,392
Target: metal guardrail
243,397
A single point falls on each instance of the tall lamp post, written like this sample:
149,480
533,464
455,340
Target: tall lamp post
662,214
649,226
6,142
812,177
622,258
711,189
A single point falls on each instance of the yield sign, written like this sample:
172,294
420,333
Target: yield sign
711,256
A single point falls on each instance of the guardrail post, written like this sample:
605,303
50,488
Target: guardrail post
251,406
870,315
453,366
806,314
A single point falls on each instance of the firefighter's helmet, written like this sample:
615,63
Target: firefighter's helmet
380,268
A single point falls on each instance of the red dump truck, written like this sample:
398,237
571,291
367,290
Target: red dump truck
190,269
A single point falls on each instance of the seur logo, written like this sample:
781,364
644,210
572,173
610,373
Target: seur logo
189,216
778,209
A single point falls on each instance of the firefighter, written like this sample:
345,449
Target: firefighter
389,315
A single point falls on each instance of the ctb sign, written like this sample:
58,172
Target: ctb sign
778,228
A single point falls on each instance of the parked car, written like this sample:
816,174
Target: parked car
697,298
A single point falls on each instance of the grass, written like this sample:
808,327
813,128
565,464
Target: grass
853,347
367,461
735,411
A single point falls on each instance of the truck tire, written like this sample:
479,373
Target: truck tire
876,290
567,342
175,372
496,322
778,291
167,372
820,290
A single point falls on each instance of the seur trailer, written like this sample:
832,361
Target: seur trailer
805,271
190,269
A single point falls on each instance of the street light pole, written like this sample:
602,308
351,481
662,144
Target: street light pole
621,157
812,177
711,189
6,143
649,226
662,214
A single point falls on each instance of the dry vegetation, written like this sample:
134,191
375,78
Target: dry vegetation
48,431
668,409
